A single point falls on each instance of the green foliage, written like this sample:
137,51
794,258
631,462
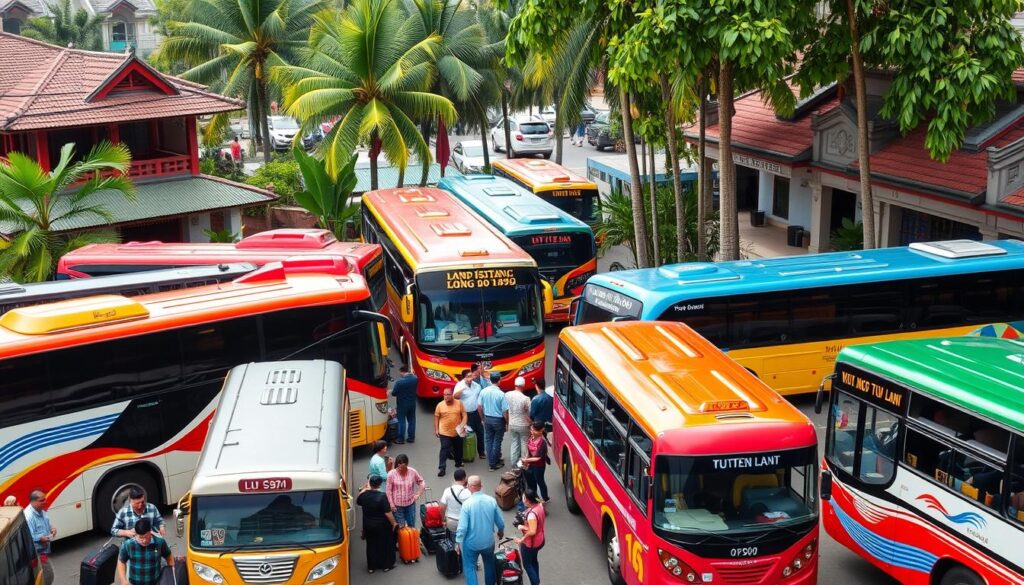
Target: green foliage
280,176
328,198
849,236
68,26
36,203
221,236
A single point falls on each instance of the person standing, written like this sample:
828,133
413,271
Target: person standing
404,486
380,463
42,531
136,508
236,152
452,500
494,411
404,391
518,419
467,391
542,406
533,535
379,526
141,555
449,415
536,460
479,520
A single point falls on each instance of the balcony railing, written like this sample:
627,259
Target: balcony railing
154,167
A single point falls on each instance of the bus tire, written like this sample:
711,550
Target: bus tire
570,492
612,554
112,494
959,575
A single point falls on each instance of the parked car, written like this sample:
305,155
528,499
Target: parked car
468,156
601,135
282,131
529,134
548,114
587,114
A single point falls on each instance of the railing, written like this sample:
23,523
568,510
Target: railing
171,165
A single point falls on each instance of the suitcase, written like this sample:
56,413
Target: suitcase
392,432
178,575
449,562
99,565
430,515
430,537
512,477
408,544
507,495
469,447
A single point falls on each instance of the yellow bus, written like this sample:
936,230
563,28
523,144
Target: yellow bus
19,563
269,501
566,190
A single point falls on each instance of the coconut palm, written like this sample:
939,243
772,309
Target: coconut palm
366,67
35,204
67,26
235,44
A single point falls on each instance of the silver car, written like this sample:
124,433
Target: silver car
528,134
282,131
468,156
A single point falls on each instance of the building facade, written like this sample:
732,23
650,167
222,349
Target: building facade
51,96
126,23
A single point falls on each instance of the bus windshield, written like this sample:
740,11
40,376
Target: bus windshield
735,493
239,521
557,253
582,204
487,305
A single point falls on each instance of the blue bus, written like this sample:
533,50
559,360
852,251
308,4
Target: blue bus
786,319
562,245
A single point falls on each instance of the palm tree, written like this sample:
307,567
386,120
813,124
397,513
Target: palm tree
36,203
366,67
502,77
237,42
67,27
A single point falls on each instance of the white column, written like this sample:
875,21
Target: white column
196,224
233,221
821,213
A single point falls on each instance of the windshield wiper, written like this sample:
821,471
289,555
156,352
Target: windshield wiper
449,351
267,547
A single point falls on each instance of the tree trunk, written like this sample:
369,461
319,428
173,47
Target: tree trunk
425,130
559,123
673,156
636,194
255,128
703,176
729,247
867,200
504,121
654,208
373,161
261,90
483,138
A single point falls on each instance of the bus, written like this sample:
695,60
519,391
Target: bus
562,245
458,291
923,471
13,295
19,563
688,468
105,393
566,190
284,494
259,249
786,319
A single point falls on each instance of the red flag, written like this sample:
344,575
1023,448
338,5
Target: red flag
443,151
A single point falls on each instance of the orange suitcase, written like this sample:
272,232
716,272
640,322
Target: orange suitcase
409,544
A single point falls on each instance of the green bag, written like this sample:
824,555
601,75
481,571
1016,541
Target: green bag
469,446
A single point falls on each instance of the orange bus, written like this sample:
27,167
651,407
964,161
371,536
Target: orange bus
105,393
566,190
689,468
458,291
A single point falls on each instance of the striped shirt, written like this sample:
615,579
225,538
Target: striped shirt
126,518
401,489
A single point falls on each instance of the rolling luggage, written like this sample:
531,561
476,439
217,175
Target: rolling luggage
430,515
392,432
176,575
99,565
408,544
469,447
431,536
507,495
449,562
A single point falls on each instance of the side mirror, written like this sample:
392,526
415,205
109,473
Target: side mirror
179,522
819,399
826,485
549,298
407,305
383,328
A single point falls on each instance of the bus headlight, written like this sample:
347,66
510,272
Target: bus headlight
208,574
382,406
530,367
437,375
322,569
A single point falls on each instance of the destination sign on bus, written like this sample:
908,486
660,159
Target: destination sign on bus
265,484
611,301
550,239
480,278
567,192
871,388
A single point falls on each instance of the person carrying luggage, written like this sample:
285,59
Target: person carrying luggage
452,500
467,391
404,486
536,461
379,526
404,391
449,416
139,560
479,520
137,507
533,535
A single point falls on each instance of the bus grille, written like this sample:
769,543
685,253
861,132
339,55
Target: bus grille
743,574
266,569
356,428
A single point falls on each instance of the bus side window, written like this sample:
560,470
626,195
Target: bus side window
930,457
26,393
639,465
577,397
562,381
842,420
1015,491
878,446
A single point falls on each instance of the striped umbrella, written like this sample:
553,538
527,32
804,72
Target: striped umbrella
1000,330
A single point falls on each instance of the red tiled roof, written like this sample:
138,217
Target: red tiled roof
1015,199
44,86
1018,76
755,126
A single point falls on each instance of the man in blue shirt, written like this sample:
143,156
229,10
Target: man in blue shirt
494,409
468,391
479,519
542,405
42,531
404,392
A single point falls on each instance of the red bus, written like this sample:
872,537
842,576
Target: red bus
689,468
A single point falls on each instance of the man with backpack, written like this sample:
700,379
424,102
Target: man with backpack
452,500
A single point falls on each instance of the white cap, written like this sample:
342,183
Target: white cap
520,382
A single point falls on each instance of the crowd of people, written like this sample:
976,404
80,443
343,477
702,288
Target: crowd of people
475,407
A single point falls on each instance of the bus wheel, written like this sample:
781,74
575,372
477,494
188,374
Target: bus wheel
612,555
961,576
570,492
112,495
